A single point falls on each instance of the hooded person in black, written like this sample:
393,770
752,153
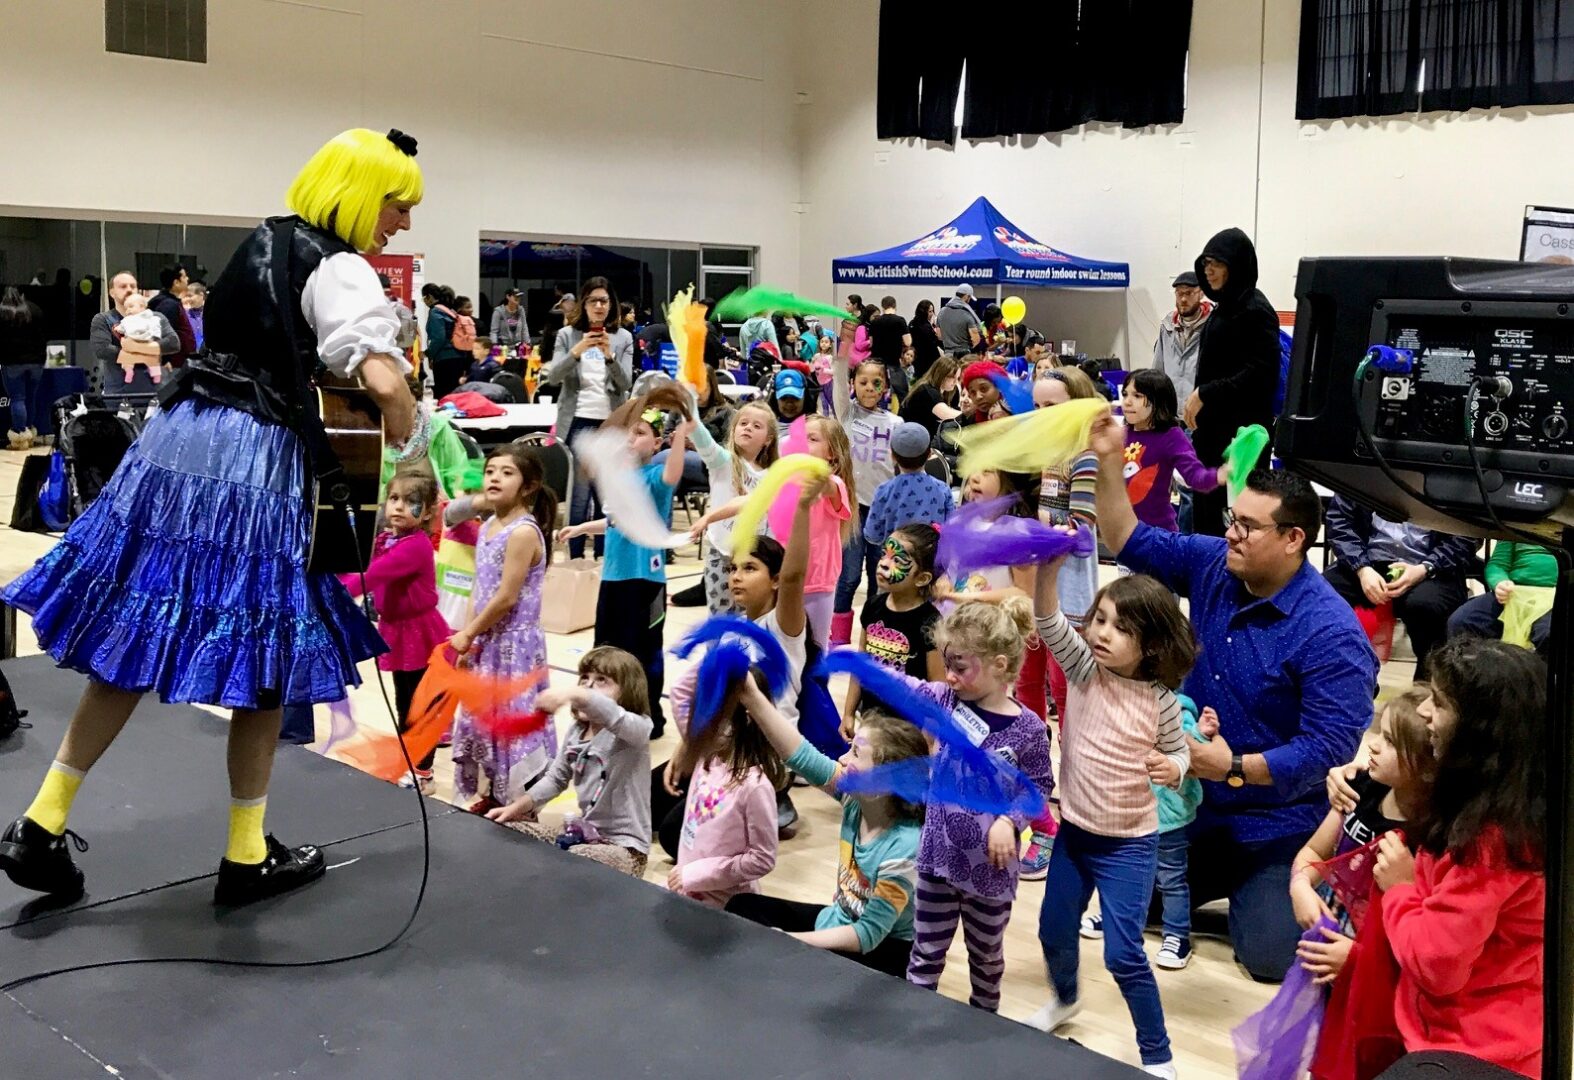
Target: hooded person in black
1237,362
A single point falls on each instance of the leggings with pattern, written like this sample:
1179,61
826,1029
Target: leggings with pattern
937,908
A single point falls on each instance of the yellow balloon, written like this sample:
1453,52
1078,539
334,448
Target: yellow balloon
1013,310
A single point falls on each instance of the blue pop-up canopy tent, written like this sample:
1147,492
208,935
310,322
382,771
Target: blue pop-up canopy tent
980,247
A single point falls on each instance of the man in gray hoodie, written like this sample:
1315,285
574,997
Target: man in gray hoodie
1180,335
1175,353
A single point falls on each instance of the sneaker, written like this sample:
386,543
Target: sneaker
1092,927
1054,1014
421,778
1174,953
1035,860
1166,1069
34,858
283,869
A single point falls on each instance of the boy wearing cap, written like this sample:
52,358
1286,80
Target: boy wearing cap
787,397
912,495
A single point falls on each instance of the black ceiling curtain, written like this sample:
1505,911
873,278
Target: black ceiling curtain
1382,57
1113,61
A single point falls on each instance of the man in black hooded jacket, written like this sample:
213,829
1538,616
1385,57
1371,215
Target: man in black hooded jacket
1237,363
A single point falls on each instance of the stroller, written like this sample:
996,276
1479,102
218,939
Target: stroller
91,440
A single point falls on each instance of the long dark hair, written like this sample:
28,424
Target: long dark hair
14,308
733,737
1492,773
581,319
921,312
1147,611
543,504
1160,392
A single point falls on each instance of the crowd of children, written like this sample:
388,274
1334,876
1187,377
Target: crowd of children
1013,654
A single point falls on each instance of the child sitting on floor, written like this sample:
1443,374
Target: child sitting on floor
1394,788
729,824
871,918
606,756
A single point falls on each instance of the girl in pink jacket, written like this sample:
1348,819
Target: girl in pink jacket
728,841
402,579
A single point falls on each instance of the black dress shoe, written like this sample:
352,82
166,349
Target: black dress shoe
35,858
284,869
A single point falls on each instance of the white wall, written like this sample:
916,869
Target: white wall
661,120
1435,185
681,120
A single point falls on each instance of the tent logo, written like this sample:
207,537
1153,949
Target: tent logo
1028,249
946,241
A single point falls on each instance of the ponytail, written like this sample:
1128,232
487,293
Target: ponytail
544,510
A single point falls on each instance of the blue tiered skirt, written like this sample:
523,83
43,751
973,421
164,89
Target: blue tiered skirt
187,576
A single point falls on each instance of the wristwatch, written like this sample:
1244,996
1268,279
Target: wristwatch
1236,777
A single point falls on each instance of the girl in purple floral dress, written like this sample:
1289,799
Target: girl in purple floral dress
503,635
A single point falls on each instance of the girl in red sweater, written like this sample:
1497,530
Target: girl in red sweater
1464,916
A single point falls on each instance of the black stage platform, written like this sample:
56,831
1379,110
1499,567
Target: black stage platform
525,961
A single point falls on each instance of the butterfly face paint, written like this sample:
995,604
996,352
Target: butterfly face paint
896,563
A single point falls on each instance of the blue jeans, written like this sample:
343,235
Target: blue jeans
857,556
1255,877
1183,512
582,504
1174,889
1122,869
21,383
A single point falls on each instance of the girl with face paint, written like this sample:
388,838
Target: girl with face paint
899,620
402,579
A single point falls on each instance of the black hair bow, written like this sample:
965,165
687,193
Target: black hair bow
402,141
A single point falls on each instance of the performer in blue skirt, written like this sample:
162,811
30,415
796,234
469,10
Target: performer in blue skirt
187,576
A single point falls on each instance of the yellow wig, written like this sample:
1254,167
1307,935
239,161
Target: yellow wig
346,184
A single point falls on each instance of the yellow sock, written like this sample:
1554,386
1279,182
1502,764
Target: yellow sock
52,805
247,845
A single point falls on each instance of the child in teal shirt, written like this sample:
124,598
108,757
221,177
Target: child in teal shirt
631,607
870,920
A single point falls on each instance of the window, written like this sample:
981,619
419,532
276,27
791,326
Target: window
1382,57
165,29
63,265
644,275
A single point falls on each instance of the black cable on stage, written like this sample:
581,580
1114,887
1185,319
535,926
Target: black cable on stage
220,961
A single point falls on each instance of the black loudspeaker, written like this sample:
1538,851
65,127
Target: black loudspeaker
1441,391
1467,353
1441,1065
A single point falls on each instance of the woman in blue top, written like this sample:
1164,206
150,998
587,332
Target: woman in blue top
871,918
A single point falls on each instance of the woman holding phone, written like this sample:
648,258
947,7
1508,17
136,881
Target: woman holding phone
593,365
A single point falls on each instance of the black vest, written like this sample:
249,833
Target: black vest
248,360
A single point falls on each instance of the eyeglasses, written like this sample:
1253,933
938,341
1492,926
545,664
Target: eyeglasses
597,301
1246,528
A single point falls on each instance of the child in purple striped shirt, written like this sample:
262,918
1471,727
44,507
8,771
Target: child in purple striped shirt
968,862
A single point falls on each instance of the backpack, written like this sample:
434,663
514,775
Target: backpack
464,332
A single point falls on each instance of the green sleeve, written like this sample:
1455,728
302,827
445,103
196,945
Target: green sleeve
1500,566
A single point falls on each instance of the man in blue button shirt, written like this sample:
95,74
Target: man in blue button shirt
1287,668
